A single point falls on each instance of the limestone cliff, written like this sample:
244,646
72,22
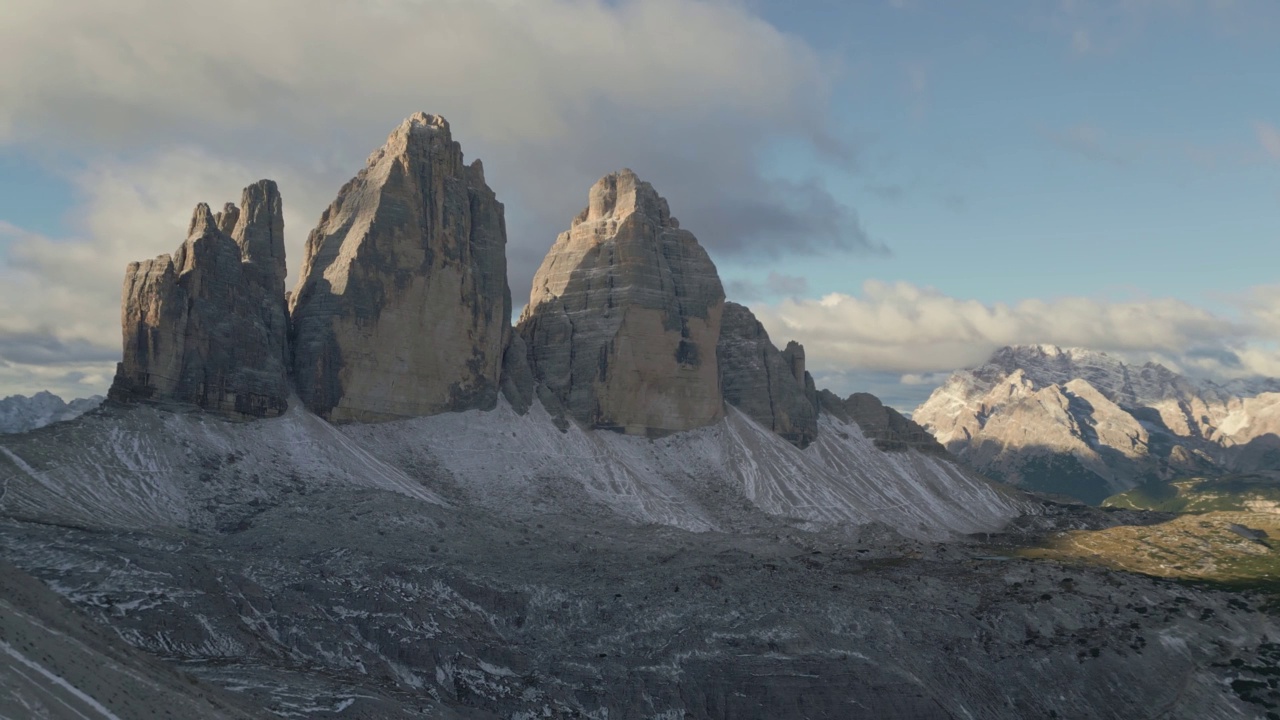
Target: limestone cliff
1080,422
207,325
769,385
402,308
624,316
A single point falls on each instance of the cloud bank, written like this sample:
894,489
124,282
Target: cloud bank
148,107
917,333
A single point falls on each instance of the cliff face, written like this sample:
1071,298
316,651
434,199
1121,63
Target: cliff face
769,385
624,316
402,308
1086,424
207,326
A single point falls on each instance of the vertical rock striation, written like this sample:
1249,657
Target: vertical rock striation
769,385
624,316
402,307
207,325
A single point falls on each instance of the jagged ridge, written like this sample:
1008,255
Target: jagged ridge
1087,424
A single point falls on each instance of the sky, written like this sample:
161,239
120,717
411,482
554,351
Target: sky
903,186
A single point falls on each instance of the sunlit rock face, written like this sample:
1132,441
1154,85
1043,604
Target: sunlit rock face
1084,423
207,325
402,308
624,316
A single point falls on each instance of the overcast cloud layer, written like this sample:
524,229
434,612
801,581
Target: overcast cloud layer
161,105
150,106
918,334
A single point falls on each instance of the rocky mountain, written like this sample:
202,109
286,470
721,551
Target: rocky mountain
770,386
402,308
888,428
390,503
19,413
1250,433
1086,424
624,316
483,564
206,325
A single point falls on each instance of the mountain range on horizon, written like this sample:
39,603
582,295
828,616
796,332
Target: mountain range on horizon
1087,424
373,496
20,413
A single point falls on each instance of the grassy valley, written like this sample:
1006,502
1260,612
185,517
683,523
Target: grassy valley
1233,493
1229,548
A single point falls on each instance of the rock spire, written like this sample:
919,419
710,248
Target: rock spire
206,326
769,385
624,316
402,308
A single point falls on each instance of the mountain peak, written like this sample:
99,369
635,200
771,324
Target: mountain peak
421,122
419,127
619,195
1107,423
1122,382
203,221
624,316
402,307
207,326
19,413
421,137
1057,353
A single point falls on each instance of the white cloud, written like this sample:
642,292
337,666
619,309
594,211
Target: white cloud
930,379
1269,137
157,105
124,71
68,381
1260,360
1080,41
913,331
552,94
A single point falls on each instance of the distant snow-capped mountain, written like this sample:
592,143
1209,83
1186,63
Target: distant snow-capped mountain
1087,424
19,413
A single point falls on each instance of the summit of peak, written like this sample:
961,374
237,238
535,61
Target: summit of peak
203,220
1069,352
424,121
419,136
621,194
